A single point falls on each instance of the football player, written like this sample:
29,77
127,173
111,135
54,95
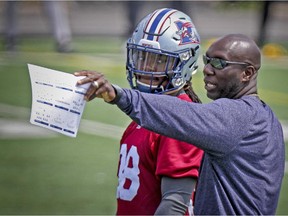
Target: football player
157,174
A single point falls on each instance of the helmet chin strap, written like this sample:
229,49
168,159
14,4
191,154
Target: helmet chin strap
143,87
175,91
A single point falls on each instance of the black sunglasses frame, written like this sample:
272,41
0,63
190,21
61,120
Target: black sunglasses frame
220,63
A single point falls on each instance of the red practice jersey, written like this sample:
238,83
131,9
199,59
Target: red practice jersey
145,156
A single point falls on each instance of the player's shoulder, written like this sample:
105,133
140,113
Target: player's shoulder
184,97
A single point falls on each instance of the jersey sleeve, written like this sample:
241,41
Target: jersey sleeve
178,159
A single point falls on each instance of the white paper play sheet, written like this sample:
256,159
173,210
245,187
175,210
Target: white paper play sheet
57,103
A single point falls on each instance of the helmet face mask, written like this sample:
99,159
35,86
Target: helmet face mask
165,44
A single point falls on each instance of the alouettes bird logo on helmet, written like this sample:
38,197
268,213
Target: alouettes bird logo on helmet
186,33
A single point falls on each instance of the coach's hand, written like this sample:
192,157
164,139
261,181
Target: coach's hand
100,87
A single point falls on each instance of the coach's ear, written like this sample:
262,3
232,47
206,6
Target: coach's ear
248,73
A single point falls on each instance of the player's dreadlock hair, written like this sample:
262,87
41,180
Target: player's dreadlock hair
190,92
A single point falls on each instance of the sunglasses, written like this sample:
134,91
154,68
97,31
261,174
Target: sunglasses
219,63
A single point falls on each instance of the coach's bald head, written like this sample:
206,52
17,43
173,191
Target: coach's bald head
241,48
238,76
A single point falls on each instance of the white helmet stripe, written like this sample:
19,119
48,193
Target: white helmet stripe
156,22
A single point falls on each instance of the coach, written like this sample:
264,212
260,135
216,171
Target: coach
243,164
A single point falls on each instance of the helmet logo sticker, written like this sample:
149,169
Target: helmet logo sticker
186,33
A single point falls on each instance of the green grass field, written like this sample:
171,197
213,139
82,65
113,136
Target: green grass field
62,175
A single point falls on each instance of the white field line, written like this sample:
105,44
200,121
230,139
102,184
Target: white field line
86,126
13,128
22,128
101,129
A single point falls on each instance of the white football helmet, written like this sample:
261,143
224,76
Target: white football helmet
164,44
